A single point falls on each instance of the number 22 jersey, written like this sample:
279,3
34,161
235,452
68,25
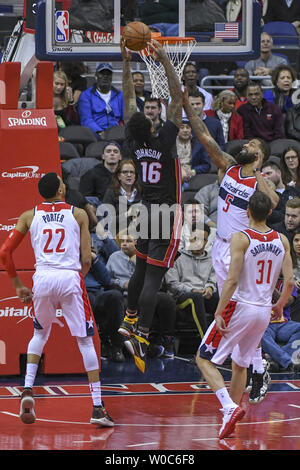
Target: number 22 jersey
55,236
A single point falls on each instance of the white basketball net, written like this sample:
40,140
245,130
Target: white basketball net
179,54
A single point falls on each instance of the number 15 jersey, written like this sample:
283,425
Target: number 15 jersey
55,236
262,266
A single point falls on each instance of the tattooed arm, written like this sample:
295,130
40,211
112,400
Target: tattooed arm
127,85
221,159
174,111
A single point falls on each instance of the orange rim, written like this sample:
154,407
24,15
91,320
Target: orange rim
170,39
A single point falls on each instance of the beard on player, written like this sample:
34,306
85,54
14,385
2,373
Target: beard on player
244,157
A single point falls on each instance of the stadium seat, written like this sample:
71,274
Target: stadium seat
277,147
78,135
95,149
116,133
67,151
283,33
198,181
74,168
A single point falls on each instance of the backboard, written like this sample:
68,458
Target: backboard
90,30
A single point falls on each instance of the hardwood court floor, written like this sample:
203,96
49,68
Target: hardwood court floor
167,408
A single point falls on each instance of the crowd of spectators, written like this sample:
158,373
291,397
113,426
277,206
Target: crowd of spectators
258,104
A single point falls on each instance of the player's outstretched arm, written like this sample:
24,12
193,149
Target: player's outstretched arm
85,240
11,243
174,111
127,84
238,246
266,187
288,281
221,159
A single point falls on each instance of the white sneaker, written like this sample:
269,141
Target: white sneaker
231,414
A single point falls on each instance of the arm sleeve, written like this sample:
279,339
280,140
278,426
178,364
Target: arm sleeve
10,244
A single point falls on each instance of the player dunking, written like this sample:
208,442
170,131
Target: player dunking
241,178
61,242
160,178
258,255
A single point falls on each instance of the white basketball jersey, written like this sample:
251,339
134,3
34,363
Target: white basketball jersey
234,194
262,267
55,236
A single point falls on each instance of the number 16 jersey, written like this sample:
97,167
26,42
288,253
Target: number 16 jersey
55,236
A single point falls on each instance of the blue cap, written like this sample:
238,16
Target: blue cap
104,66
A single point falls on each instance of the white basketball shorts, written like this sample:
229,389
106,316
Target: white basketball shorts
65,289
246,325
221,260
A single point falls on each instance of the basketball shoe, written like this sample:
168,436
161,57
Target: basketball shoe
128,326
27,413
231,415
101,417
137,345
260,384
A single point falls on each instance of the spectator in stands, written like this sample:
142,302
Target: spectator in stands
152,110
140,92
121,265
292,123
267,61
283,77
63,101
200,160
108,308
224,110
291,219
193,214
101,106
75,71
272,172
281,336
234,10
190,80
208,198
260,117
184,152
95,181
192,280
290,167
283,10
241,81
123,192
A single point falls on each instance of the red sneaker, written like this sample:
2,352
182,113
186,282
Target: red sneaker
231,415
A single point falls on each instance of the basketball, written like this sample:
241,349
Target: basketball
136,35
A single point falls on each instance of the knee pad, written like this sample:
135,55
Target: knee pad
89,356
38,341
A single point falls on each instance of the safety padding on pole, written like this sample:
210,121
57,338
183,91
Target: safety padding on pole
9,84
44,92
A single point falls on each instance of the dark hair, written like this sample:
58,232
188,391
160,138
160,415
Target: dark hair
260,205
264,147
48,185
280,68
137,72
252,83
152,99
293,254
286,175
197,94
270,163
139,128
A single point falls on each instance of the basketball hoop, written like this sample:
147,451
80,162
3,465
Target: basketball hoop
178,49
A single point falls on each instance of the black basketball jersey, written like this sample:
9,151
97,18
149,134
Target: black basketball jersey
158,166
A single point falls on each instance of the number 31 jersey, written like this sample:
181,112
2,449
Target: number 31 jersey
55,236
262,266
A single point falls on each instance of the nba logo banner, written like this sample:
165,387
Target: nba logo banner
62,32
